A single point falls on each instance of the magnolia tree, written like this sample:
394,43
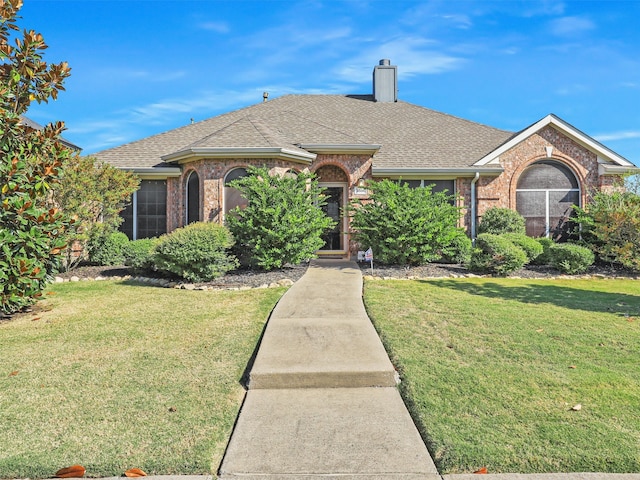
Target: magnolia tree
32,232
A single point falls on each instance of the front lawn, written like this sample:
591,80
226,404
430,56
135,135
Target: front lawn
114,376
491,369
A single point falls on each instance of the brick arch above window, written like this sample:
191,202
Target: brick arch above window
331,172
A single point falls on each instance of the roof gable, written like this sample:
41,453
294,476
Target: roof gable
605,155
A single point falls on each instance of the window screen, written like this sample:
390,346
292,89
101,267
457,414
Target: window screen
193,198
545,197
152,208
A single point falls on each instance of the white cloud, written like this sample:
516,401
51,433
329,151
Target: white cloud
413,55
218,27
571,26
544,8
614,136
459,20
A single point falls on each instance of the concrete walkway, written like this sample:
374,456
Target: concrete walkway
322,399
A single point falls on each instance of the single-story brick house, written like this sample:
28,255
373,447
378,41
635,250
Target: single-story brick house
347,140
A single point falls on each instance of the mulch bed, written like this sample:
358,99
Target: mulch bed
253,278
236,278
437,270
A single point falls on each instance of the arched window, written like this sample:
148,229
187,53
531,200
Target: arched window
232,196
192,193
545,196
290,173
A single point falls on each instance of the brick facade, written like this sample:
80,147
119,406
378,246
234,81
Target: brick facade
500,191
347,169
491,191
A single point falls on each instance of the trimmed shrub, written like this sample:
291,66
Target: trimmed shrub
197,252
570,258
106,247
459,250
496,254
283,221
498,220
139,253
529,245
405,226
545,257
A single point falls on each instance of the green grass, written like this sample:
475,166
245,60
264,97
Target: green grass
487,370
114,376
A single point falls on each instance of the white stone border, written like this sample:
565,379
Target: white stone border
164,283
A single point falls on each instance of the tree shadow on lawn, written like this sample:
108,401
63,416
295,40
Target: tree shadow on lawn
621,304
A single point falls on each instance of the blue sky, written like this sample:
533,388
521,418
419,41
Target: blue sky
143,67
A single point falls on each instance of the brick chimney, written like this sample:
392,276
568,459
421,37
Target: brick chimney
385,82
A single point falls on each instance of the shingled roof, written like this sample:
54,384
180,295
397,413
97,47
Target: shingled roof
408,136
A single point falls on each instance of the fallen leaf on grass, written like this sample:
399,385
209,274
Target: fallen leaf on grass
14,373
572,366
576,408
135,472
35,319
540,330
51,293
74,471
172,409
481,470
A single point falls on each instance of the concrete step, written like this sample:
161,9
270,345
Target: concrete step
338,433
321,353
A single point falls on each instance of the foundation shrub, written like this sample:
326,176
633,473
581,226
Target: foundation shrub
531,247
610,226
283,221
139,253
496,254
497,221
570,258
197,252
544,258
458,250
106,246
407,226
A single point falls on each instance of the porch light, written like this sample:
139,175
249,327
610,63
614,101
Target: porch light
362,183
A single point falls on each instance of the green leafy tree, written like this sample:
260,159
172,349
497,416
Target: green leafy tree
32,233
283,221
407,226
610,226
94,192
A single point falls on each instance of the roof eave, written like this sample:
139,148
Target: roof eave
352,149
279,153
154,173
608,169
442,172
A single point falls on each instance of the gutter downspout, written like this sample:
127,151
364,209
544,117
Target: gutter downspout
473,208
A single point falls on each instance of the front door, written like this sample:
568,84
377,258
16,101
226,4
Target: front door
334,240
